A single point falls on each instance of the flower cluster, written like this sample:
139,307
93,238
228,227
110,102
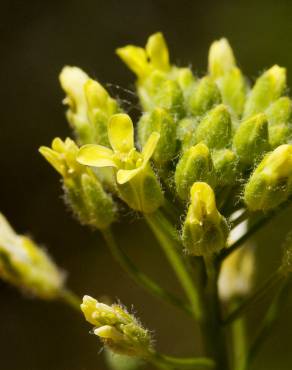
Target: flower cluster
24,264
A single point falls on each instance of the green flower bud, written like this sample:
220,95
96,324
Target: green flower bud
251,141
184,77
116,328
226,166
279,117
161,121
83,191
271,182
204,95
195,165
26,265
205,230
221,58
136,182
170,97
268,88
100,109
90,106
215,128
233,88
186,132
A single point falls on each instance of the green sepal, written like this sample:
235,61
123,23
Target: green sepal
194,165
159,120
251,139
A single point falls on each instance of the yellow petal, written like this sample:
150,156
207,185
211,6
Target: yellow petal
124,176
121,133
135,58
157,51
54,159
150,146
96,156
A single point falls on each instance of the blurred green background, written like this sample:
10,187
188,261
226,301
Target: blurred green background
37,39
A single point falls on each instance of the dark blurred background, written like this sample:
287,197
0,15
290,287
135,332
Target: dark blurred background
36,39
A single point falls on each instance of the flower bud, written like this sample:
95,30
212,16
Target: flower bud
83,191
268,88
26,265
250,141
205,230
226,166
279,116
185,132
161,121
271,182
236,274
203,97
170,97
221,58
215,128
90,106
116,328
233,88
195,165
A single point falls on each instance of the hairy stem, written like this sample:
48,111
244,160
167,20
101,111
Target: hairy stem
192,363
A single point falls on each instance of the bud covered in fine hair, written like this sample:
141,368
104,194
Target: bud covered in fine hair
159,120
271,182
136,182
90,106
221,58
226,166
204,95
117,329
251,139
195,165
185,132
83,191
26,265
268,88
236,274
205,230
215,128
279,115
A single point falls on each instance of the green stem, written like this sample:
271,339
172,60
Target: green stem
238,331
70,299
254,298
166,362
214,336
168,241
242,217
268,323
139,277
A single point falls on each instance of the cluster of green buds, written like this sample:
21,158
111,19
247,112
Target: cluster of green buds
26,265
117,329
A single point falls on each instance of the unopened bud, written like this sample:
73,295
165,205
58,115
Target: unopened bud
116,328
84,192
26,265
195,165
205,230
271,182
186,129
226,166
215,128
279,115
159,120
221,58
203,97
251,140
268,88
